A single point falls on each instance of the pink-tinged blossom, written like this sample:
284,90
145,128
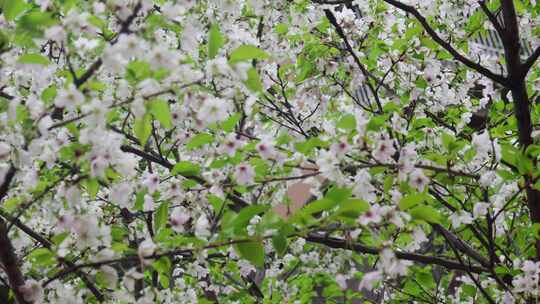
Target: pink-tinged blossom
373,215
151,181
480,209
418,180
202,227
130,278
244,174
341,280
213,110
69,98
266,149
340,148
65,222
384,150
179,217
363,187
146,248
369,280
230,144
418,237
460,217
148,202
407,160
391,265
362,121
121,193
87,231
31,291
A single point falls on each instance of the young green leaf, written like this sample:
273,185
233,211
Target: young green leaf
253,81
426,213
33,59
199,140
247,52
186,168
13,8
161,216
160,110
215,41
252,251
143,128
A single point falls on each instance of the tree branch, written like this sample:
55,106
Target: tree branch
447,46
8,258
239,203
529,62
343,244
48,244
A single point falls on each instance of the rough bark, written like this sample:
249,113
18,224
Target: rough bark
518,88
8,258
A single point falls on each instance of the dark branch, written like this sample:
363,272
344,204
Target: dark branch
343,244
447,46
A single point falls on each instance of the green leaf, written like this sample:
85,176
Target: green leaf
92,187
215,41
426,213
536,230
323,204
279,241
161,216
247,52
13,8
411,200
281,28
49,94
252,251
42,257
35,20
376,123
199,140
161,112
185,168
240,222
337,194
143,128
253,81
163,268
347,122
353,207
33,59
306,147
229,124
139,200
11,204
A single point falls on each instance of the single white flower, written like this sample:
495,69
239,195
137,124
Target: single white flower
418,180
202,227
480,209
69,98
369,280
213,110
146,248
460,217
179,217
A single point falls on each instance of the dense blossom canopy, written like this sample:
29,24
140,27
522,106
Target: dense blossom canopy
269,151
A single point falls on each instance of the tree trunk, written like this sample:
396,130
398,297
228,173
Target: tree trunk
9,262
